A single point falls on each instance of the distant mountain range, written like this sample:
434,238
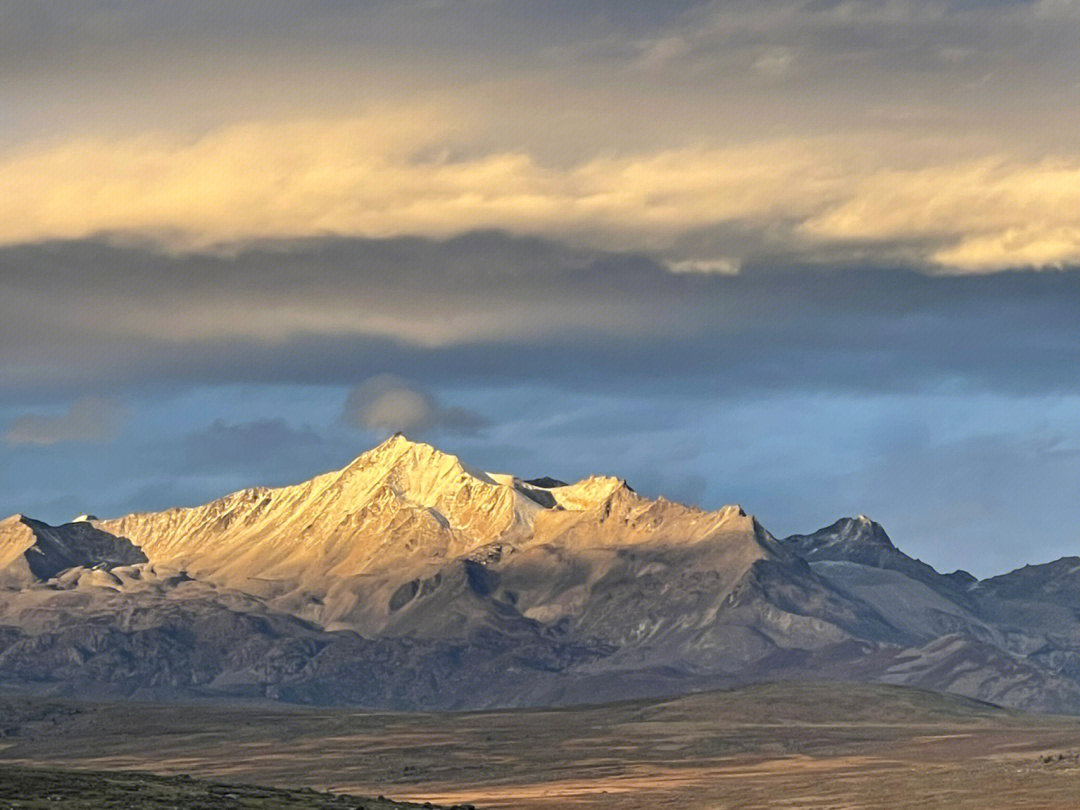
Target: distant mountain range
409,580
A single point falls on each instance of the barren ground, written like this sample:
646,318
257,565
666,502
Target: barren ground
771,746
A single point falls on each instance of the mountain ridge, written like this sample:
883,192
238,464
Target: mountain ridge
410,579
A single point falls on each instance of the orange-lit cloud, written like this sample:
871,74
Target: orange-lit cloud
385,175
364,177
979,215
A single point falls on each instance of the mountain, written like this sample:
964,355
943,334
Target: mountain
32,551
410,580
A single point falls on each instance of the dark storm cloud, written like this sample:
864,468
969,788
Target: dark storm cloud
88,318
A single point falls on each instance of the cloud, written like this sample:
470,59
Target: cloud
89,419
487,307
386,403
774,63
978,215
938,132
475,287
361,177
718,265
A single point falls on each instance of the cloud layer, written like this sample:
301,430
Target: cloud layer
87,419
363,178
938,134
91,318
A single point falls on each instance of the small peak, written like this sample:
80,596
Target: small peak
861,529
393,446
545,482
856,539
85,518
607,483
607,487
617,491
857,523
588,492
619,498
18,517
410,458
962,577
398,439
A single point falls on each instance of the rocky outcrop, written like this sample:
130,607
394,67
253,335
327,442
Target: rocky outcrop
32,551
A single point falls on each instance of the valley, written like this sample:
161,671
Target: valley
806,745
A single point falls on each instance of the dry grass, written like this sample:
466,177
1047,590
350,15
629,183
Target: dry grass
50,789
773,746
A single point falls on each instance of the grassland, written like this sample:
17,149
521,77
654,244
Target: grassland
50,789
771,746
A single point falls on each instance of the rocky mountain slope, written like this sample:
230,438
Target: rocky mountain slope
410,580
32,551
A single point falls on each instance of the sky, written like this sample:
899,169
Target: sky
817,258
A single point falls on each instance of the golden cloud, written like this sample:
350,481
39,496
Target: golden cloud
375,176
